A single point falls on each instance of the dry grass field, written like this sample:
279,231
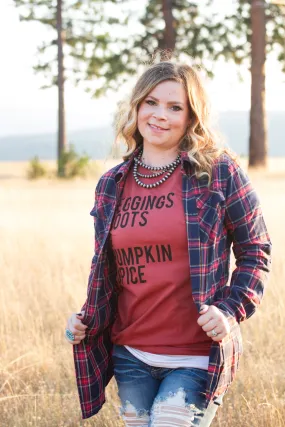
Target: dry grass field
46,237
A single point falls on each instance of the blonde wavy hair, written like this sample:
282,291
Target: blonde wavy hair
200,141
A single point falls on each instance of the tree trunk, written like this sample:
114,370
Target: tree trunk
169,32
258,146
61,141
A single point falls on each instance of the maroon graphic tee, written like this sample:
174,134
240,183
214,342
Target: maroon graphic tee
156,312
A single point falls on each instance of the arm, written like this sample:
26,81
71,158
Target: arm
251,247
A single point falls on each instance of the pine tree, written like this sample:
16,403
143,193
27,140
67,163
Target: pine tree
201,34
259,27
79,49
61,139
180,27
206,34
258,128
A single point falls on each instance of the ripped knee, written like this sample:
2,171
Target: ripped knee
134,417
173,411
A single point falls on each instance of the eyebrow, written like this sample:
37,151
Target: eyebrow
170,102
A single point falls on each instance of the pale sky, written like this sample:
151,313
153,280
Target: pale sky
25,109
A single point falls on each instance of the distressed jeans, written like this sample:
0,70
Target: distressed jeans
161,397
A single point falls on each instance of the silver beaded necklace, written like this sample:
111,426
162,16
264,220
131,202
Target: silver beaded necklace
166,170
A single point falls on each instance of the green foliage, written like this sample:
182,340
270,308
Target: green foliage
72,164
205,34
36,169
90,47
102,54
236,43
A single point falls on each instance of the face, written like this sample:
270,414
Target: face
163,115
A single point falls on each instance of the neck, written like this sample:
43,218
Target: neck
153,157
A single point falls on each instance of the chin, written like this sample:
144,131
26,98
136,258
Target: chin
155,142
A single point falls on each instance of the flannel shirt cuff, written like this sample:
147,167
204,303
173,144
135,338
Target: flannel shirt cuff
227,311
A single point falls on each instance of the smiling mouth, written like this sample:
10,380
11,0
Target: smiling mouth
157,127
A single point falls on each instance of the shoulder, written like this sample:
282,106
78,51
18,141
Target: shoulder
108,179
226,168
236,183
229,177
226,163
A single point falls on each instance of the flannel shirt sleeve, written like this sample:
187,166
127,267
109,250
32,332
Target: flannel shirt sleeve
94,258
251,246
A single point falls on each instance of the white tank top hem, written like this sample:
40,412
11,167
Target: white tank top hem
170,361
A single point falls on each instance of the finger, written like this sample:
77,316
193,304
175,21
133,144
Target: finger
69,340
79,326
79,334
205,318
79,316
76,340
76,332
209,326
71,327
212,336
221,333
204,308
76,323
79,337
81,313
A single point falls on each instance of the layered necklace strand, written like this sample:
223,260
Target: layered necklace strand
166,170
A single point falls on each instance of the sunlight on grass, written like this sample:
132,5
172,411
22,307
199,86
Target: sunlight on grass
46,249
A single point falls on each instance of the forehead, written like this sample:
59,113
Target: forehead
169,90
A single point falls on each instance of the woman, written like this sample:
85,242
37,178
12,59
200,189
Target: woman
160,313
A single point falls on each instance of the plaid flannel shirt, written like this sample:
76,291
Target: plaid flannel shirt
226,214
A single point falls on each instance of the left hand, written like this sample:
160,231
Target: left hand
213,318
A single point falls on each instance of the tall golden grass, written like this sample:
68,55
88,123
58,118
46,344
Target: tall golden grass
46,249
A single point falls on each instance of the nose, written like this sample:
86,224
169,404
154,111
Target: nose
160,113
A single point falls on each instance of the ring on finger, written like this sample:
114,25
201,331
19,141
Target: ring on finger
214,333
69,335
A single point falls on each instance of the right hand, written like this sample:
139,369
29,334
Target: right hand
75,325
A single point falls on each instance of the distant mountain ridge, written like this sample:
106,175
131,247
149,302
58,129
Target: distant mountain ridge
97,142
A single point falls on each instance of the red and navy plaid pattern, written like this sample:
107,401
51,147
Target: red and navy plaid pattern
220,217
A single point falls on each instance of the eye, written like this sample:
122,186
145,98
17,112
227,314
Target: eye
174,107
